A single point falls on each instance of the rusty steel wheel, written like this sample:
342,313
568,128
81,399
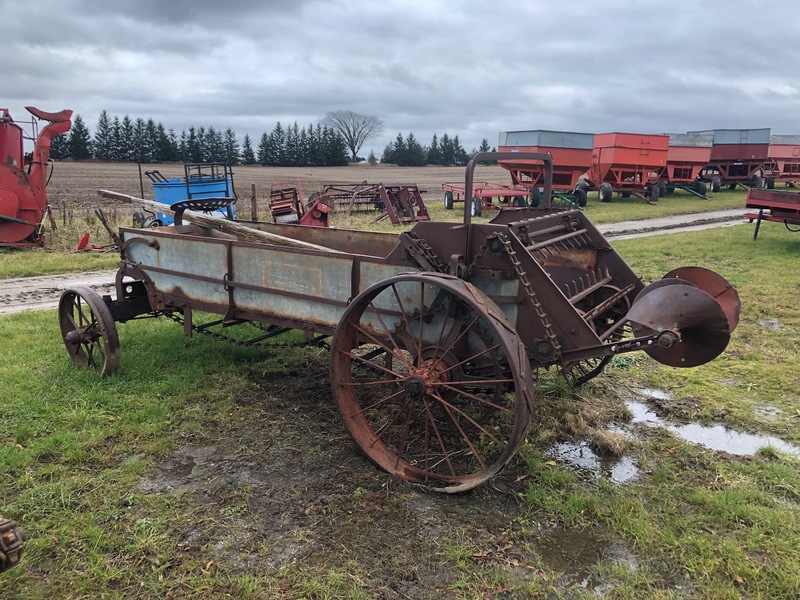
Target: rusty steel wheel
88,330
431,380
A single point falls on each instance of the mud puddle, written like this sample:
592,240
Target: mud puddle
580,454
715,437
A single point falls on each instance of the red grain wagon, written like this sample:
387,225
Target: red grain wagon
738,157
572,157
784,161
687,155
628,163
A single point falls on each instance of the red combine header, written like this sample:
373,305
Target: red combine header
23,177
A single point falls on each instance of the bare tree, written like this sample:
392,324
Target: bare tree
354,128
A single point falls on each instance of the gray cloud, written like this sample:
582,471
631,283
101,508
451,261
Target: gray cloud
468,68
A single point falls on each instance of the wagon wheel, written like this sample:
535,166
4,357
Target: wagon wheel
88,330
431,380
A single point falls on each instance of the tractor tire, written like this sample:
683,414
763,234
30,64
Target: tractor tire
605,192
757,182
662,188
448,200
701,188
731,186
580,197
770,183
519,202
477,206
654,191
716,184
536,197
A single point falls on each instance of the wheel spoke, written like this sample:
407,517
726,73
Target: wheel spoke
399,354
465,436
439,437
385,426
471,358
378,403
371,364
448,386
468,418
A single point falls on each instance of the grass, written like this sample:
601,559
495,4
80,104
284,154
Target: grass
74,450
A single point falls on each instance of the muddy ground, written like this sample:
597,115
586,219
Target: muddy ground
286,486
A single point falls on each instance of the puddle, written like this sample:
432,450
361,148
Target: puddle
716,437
617,469
771,324
576,554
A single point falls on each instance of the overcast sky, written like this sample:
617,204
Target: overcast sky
471,68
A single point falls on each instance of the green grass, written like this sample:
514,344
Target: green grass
74,449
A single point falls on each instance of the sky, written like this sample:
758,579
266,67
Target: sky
466,68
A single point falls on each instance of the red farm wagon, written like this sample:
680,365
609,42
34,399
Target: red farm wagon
738,157
572,158
688,154
784,161
627,163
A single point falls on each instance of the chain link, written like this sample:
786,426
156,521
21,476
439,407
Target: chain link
537,305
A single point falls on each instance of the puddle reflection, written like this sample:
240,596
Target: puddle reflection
716,437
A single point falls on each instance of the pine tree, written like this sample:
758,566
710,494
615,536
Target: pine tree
278,145
415,155
126,144
264,149
102,145
434,152
193,149
59,147
372,159
231,148
248,156
80,142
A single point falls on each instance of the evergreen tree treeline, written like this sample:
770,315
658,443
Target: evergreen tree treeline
138,140
408,152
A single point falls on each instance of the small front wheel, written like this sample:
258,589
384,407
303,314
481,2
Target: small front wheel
448,200
88,330
477,206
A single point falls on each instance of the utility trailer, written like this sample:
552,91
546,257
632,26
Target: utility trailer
434,333
687,155
23,177
483,194
784,161
772,205
738,157
200,180
627,163
572,158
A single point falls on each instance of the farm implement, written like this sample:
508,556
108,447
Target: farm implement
286,206
572,158
483,194
434,333
23,177
401,203
12,543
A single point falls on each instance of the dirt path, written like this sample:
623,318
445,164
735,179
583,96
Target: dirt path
37,293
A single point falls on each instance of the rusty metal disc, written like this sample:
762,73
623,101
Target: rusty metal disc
692,313
658,284
716,286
